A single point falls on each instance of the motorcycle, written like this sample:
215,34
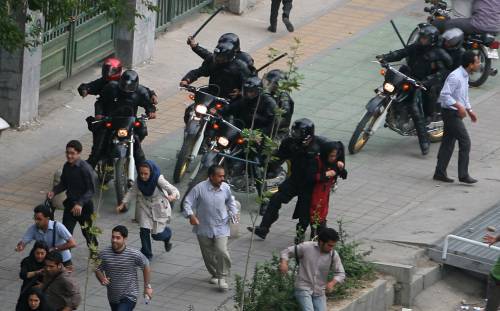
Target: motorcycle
389,106
484,45
117,158
196,124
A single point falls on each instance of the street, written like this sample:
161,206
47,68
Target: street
388,200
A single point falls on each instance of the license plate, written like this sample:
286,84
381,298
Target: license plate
492,53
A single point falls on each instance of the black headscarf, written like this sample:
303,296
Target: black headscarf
328,147
44,306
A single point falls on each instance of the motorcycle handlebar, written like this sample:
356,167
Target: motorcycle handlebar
388,66
193,89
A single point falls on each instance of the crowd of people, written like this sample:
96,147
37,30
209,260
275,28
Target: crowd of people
316,163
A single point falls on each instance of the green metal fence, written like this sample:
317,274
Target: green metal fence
74,44
170,10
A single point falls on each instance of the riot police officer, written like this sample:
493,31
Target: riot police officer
283,99
301,149
430,64
122,99
229,37
225,71
253,103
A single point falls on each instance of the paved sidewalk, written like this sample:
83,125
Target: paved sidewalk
389,195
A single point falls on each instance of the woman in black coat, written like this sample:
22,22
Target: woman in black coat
34,300
32,267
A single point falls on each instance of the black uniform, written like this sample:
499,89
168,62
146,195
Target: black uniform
275,7
243,56
243,109
302,160
227,76
285,102
115,103
431,66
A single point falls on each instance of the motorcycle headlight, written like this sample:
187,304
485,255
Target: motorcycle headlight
122,133
201,109
389,87
223,141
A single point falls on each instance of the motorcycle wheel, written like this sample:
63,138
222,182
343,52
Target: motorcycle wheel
478,78
361,133
121,185
183,160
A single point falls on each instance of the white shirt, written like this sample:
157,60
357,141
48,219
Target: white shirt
456,89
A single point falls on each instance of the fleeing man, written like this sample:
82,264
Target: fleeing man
455,105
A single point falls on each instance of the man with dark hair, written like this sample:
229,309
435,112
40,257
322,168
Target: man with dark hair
77,179
118,272
61,290
455,105
55,234
273,19
317,261
210,207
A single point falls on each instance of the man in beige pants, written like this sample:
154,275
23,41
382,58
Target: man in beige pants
210,207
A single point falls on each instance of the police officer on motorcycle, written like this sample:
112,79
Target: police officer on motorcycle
271,82
122,99
430,64
226,72
229,37
253,102
453,40
301,149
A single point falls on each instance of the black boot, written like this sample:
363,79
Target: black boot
424,147
272,28
288,24
261,232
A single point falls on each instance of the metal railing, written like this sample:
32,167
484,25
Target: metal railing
459,238
169,10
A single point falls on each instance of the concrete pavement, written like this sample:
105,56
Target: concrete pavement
388,197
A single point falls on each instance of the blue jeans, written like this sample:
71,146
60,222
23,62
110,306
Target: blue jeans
146,235
308,302
125,304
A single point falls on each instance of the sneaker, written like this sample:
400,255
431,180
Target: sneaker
288,24
223,286
272,28
213,280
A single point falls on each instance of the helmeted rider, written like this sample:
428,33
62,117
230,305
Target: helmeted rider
453,40
253,103
226,73
283,99
229,37
430,64
301,149
122,99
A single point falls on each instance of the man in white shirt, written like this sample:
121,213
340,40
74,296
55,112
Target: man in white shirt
455,106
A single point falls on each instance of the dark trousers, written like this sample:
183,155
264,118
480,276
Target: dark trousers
146,236
85,220
492,294
286,192
125,304
454,129
302,225
275,7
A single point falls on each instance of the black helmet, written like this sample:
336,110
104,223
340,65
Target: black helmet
303,131
429,32
271,79
129,81
224,53
231,38
453,38
252,87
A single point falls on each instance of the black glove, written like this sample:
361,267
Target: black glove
90,125
82,88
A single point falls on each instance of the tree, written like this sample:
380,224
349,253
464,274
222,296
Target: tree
12,17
